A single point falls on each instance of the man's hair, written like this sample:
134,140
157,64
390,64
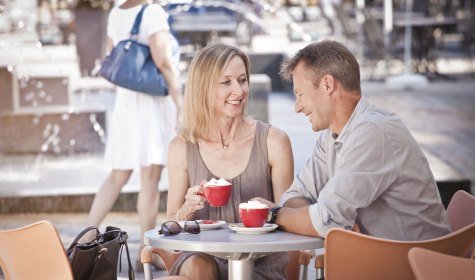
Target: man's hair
204,72
326,57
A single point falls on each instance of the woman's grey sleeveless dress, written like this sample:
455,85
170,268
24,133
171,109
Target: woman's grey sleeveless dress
254,181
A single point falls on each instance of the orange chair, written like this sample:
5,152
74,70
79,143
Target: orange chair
429,265
293,271
351,255
146,256
461,210
33,252
304,257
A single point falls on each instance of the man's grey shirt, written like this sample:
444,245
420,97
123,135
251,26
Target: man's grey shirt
374,174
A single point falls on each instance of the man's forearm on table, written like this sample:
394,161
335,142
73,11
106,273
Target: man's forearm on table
296,220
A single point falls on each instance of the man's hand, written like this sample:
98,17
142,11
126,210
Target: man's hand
264,201
296,220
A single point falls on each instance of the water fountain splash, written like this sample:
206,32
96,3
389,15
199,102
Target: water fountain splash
97,127
65,117
39,84
35,120
21,24
23,79
29,96
51,133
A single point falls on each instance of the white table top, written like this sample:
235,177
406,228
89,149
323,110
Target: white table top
225,240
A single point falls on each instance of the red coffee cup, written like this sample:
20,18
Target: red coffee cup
253,215
217,195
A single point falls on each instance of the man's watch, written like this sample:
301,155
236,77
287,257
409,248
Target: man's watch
272,214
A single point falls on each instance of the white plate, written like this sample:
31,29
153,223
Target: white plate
240,228
215,225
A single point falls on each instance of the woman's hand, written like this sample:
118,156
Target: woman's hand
194,201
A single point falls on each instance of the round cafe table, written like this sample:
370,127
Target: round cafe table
240,249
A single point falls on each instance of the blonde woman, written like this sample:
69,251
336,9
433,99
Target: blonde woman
218,140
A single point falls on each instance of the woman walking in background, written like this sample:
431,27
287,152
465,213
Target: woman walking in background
142,125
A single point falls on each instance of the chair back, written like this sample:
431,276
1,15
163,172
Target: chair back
430,265
33,252
351,255
461,210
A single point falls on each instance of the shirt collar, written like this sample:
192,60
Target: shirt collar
362,105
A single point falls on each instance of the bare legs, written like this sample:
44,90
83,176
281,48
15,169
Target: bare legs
105,199
199,266
107,195
147,202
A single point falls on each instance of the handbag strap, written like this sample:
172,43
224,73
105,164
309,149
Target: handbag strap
75,242
131,270
123,236
138,21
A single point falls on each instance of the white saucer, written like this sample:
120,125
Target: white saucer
216,225
240,228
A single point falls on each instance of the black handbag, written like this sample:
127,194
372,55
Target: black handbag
130,65
99,258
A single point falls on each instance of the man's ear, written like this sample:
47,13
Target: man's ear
328,83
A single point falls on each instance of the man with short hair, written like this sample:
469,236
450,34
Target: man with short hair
366,169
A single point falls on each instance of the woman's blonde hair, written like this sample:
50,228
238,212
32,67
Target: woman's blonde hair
206,68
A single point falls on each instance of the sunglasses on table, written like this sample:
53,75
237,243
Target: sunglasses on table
173,228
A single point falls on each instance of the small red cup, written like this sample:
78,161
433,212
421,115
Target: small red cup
217,195
252,217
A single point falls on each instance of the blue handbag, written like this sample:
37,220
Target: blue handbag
130,65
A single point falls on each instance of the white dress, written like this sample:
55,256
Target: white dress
141,125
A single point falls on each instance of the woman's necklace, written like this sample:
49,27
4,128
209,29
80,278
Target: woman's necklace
223,141
225,146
